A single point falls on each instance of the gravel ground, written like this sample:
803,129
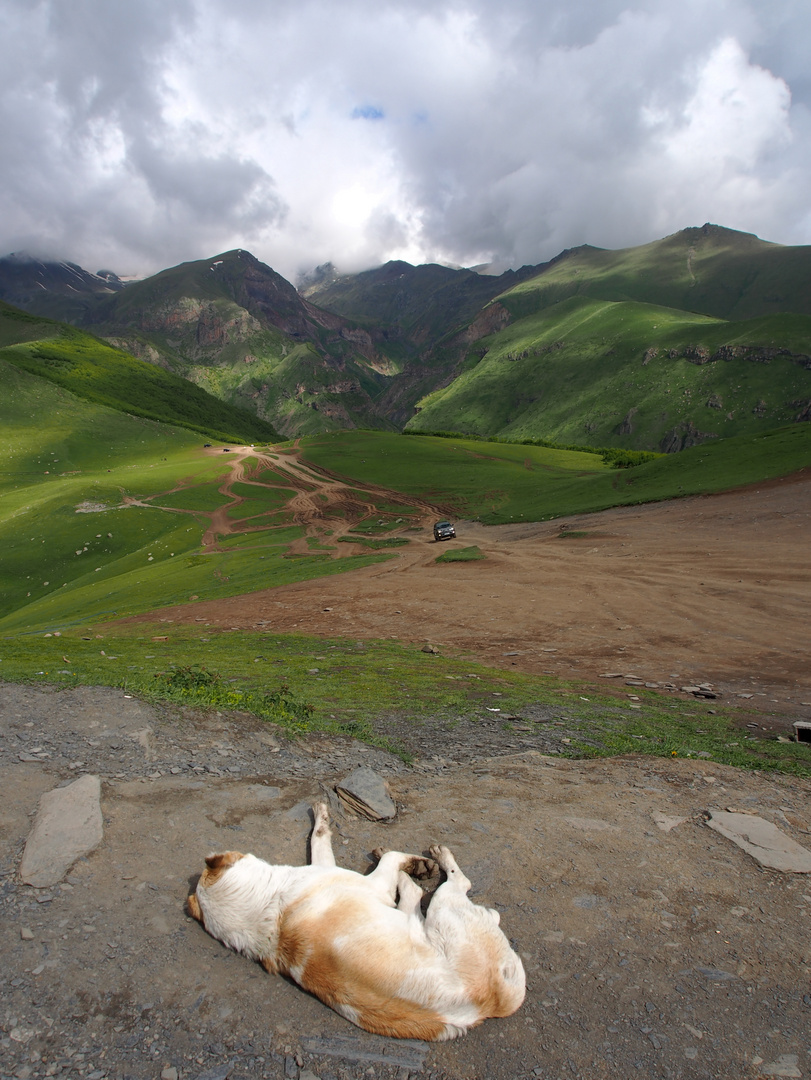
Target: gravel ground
666,953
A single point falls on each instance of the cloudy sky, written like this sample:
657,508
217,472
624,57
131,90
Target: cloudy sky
135,135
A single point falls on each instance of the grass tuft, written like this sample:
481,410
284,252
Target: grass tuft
468,554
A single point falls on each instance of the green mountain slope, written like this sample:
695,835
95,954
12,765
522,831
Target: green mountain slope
702,334
708,270
104,513
241,331
420,304
612,373
414,309
99,373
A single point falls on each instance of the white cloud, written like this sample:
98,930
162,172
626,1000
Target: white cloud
140,135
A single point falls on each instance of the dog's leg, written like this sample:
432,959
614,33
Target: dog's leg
321,838
386,874
456,879
409,895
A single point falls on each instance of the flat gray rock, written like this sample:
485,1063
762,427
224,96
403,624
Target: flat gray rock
68,825
762,840
366,793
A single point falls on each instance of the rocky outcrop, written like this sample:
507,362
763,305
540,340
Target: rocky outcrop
682,437
756,354
68,825
626,427
492,319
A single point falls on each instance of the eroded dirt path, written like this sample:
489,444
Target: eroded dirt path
704,589
322,503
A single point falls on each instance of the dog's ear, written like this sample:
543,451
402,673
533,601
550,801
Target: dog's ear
193,908
222,859
218,863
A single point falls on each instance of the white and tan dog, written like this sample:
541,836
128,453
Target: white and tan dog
361,944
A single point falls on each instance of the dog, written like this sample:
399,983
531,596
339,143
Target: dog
361,943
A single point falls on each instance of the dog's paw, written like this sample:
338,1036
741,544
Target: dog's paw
421,868
442,856
378,853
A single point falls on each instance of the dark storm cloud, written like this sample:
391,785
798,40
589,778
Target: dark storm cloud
137,135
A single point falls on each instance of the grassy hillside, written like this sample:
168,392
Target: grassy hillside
709,270
501,482
104,512
615,373
234,327
417,305
95,371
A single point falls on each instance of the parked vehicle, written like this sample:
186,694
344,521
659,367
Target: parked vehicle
443,530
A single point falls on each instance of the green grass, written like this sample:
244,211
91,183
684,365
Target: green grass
205,497
502,482
625,374
712,270
374,545
374,526
103,375
349,687
61,566
467,554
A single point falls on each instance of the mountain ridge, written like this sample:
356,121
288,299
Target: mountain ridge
401,346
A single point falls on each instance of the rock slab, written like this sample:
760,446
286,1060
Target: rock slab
365,792
762,840
68,825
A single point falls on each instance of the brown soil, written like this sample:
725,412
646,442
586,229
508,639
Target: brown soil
711,589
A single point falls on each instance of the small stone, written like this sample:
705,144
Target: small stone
763,841
366,793
666,822
169,1073
68,825
26,934
786,1065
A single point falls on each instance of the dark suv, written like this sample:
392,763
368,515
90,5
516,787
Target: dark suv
443,530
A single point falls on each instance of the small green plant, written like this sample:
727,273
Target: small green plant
375,545
194,685
468,554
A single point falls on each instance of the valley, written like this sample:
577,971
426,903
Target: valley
583,597
251,622
702,335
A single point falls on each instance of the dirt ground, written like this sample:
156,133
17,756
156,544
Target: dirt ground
664,953
709,589
653,946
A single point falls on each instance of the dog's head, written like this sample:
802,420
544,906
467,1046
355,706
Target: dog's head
216,865
234,901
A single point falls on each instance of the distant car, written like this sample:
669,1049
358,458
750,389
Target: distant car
206,444
443,530
225,450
